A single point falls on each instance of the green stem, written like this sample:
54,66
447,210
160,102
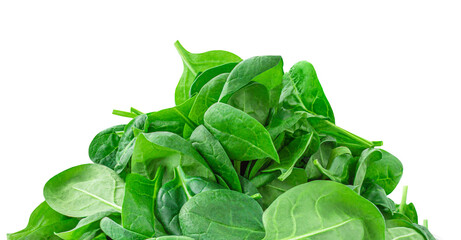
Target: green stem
403,203
426,223
326,172
186,119
349,134
136,111
124,114
182,179
256,196
258,165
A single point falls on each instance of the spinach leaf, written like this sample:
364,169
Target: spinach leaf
302,91
103,148
222,214
194,63
215,155
126,144
322,156
207,96
173,195
43,223
87,228
138,203
242,136
380,167
277,187
85,190
402,233
267,70
252,99
342,166
169,150
305,212
209,74
117,232
172,119
376,194
290,154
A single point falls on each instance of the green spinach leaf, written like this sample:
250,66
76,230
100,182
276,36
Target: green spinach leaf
242,136
85,190
103,148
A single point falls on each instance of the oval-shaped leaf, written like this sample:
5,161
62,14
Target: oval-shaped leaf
209,74
242,136
194,63
302,91
103,148
85,190
323,210
215,155
221,215
253,100
267,70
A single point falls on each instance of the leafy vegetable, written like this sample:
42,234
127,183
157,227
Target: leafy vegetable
242,136
85,190
304,212
248,152
196,63
222,214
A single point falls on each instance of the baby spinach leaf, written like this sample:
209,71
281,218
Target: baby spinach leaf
117,232
380,167
233,216
87,228
103,148
242,136
209,74
252,99
194,63
302,91
305,212
43,223
322,156
174,194
138,203
290,154
267,70
153,150
85,190
376,194
172,119
215,155
126,144
207,96
403,233
277,187
342,166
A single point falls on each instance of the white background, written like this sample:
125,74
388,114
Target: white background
391,71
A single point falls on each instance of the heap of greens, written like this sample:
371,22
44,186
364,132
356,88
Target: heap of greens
248,152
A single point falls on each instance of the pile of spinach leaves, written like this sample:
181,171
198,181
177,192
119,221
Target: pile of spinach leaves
248,152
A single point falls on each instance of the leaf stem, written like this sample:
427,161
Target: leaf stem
350,135
182,179
136,111
403,203
426,223
124,114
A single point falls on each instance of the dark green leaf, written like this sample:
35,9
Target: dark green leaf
222,215
242,136
267,70
209,74
194,63
103,148
215,155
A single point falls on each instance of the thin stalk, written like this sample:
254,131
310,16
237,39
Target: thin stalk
403,203
124,114
350,135
136,111
237,166
426,223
